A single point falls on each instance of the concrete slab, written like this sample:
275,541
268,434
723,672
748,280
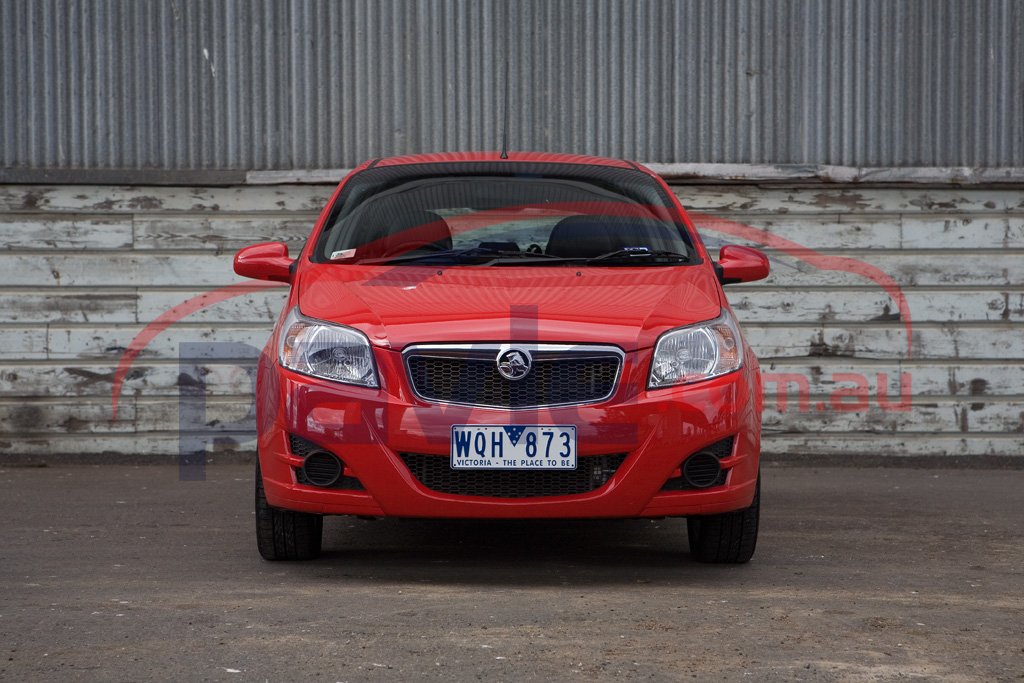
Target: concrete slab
127,573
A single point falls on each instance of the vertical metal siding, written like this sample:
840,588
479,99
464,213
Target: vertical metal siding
264,84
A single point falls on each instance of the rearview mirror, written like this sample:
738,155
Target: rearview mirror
741,264
265,261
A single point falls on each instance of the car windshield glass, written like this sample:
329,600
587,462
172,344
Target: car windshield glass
480,219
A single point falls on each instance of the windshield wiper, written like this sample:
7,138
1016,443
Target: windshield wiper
493,256
524,257
629,253
456,254
508,257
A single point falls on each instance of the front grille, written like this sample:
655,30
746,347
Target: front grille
472,378
435,472
303,448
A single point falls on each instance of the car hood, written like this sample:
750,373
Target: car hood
400,305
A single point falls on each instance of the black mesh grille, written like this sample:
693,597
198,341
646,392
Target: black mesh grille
435,472
476,381
302,448
720,449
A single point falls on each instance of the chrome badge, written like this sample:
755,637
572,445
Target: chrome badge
514,364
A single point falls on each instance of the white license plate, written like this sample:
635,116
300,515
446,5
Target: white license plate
498,447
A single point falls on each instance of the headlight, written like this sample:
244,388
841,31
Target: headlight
320,349
695,353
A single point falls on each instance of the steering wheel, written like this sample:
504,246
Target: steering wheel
534,249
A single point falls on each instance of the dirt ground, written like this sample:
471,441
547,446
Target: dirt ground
127,573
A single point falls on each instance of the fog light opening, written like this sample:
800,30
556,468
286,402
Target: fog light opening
601,475
322,468
701,470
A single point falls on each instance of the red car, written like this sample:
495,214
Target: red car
537,336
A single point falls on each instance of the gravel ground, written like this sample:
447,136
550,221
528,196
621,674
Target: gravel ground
127,573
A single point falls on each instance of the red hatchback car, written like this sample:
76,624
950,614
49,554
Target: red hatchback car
537,336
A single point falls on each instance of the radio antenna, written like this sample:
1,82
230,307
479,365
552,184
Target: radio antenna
504,126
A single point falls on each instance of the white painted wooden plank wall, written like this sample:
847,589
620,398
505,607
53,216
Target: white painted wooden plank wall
83,269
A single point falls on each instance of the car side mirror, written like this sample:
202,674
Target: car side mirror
265,261
741,264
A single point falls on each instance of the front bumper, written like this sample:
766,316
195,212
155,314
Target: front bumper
369,428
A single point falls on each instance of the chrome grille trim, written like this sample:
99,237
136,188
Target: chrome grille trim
541,353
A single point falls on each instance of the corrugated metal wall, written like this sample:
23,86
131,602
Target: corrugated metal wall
240,84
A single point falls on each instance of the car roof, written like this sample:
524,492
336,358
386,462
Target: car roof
543,157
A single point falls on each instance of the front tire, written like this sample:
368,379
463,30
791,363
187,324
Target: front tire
726,538
284,534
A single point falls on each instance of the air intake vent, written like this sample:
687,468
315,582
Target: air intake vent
435,472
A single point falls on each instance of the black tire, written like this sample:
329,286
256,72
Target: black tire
284,534
729,537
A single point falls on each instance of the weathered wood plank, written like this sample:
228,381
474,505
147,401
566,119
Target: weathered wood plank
734,199
946,342
143,199
263,306
95,381
963,232
926,379
51,305
957,242
152,444
201,269
873,305
227,413
754,305
23,342
127,269
221,234
810,305
188,341
42,231
995,269
751,199
229,232
873,445
936,418
990,341
229,377
858,232
21,419
811,445
814,231
231,413
82,305
829,231
218,414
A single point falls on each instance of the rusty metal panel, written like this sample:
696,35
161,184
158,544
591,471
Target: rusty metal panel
237,85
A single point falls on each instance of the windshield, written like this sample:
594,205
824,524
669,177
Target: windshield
474,219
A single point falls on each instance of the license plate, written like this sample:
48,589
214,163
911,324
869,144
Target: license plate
499,447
